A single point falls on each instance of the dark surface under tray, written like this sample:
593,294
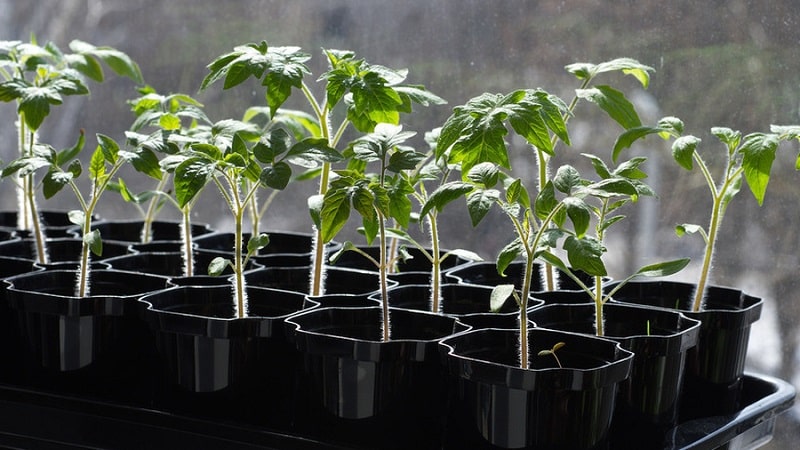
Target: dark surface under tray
33,418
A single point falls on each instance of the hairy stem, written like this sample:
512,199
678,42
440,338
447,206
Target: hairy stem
436,266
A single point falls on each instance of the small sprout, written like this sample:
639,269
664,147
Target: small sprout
553,351
648,327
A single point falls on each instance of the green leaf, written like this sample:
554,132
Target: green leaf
727,136
508,254
191,176
315,203
146,162
567,179
109,148
287,69
600,167
499,295
627,66
54,181
276,143
373,102
663,269
118,61
443,195
95,243
585,254
479,202
309,151
545,201
477,132
334,213
614,103
404,160
218,265
76,217
579,213
486,174
69,154
464,254
97,164
759,153
276,176
169,122
733,188
690,228
628,137
683,150
34,104
256,243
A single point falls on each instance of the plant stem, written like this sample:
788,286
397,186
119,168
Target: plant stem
150,214
83,268
255,217
382,270
238,284
318,246
547,269
717,213
598,306
36,227
436,266
523,337
186,234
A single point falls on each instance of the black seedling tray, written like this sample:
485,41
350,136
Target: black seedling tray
35,418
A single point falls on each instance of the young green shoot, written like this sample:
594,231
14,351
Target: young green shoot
238,170
371,94
552,351
64,167
37,78
747,158
377,197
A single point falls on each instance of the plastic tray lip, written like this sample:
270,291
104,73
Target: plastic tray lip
693,435
705,433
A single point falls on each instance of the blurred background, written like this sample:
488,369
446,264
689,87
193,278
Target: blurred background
718,63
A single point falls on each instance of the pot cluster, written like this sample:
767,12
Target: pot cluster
394,344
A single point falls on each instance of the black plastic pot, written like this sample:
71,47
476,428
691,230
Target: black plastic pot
714,368
171,264
284,249
337,280
163,232
648,402
484,273
56,224
220,365
416,270
10,343
66,249
362,391
458,300
497,404
87,335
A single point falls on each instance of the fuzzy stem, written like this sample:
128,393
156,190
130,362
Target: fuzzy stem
598,306
150,214
523,336
186,235
83,267
436,266
36,227
382,270
239,267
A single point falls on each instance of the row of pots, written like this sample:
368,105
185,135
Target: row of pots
316,366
